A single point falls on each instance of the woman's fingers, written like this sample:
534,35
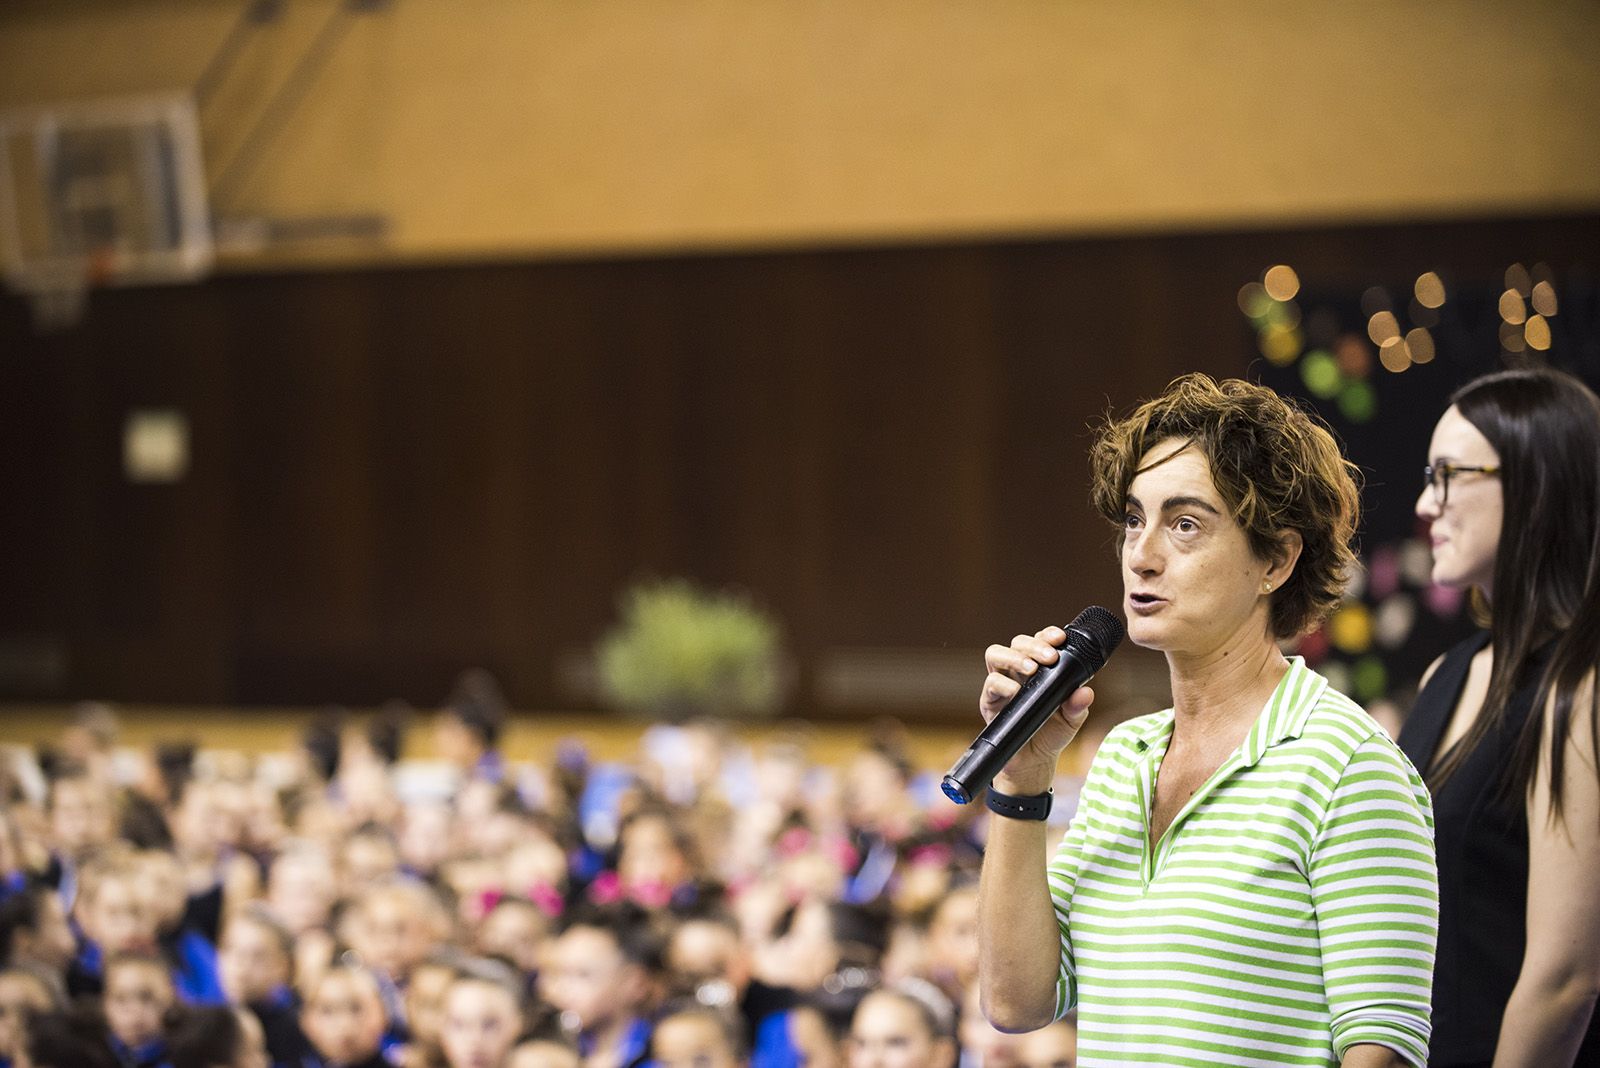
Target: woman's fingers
1012,665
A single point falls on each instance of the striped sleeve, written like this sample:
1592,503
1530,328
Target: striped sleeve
1375,891
1063,877
1065,866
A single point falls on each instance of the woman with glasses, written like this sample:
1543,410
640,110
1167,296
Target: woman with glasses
1505,725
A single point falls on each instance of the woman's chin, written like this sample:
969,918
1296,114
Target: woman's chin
1147,633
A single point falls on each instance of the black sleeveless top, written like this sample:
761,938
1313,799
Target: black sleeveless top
1483,870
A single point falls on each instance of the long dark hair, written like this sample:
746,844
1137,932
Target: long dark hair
1545,425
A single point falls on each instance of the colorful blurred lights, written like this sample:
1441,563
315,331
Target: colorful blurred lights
1281,344
1358,401
1350,629
1253,300
1321,374
1355,358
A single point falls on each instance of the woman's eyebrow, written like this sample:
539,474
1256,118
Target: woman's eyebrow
1178,502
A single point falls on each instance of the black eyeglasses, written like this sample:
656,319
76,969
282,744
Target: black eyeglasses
1438,477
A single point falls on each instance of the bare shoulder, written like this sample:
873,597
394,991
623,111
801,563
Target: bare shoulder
1578,821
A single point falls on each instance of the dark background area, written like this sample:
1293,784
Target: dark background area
397,473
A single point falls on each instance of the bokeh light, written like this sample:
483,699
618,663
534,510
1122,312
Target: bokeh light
1420,344
1512,309
1355,583
1371,678
1384,569
1416,559
1354,357
1394,619
1358,401
1253,299
1543,298
1444,601
1383,327
1511,337
1283,313
1350,629
1429,290
1281,282
1321,374
1281,344
1394,355
1338,675
1537,333
1313,645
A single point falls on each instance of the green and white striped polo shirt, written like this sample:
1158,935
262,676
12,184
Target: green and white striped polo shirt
1290,911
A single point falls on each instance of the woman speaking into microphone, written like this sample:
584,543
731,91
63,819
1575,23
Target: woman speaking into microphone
1250,876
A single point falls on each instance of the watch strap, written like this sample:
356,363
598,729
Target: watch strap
1025,807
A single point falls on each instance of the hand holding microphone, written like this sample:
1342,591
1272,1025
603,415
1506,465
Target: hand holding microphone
1033,677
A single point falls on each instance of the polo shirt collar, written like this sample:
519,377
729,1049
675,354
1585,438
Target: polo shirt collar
1287,712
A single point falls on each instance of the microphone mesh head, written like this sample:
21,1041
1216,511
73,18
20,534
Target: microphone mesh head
1102,631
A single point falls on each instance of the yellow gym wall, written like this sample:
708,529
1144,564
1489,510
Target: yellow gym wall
510,128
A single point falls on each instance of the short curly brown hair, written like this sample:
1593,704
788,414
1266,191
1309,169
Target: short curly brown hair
1277,467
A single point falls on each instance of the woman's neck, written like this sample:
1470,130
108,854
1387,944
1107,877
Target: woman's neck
1214,690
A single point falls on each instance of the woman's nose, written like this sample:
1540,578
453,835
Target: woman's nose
1141,556
1427,506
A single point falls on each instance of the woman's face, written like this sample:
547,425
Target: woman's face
1190,580
1465,530
888,1032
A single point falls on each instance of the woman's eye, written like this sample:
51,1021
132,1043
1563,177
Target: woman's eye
1129,521
1185,525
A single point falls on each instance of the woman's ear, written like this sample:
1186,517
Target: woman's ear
1284,559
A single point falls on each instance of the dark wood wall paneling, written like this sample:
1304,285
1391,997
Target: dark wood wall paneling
401,472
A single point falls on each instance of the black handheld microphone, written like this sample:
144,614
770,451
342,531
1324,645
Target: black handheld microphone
1091,638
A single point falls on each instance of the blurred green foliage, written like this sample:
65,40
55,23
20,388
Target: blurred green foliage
680,651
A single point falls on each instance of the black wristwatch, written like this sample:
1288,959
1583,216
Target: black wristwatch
1027,807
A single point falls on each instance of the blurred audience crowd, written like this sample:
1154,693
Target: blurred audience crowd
705,905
